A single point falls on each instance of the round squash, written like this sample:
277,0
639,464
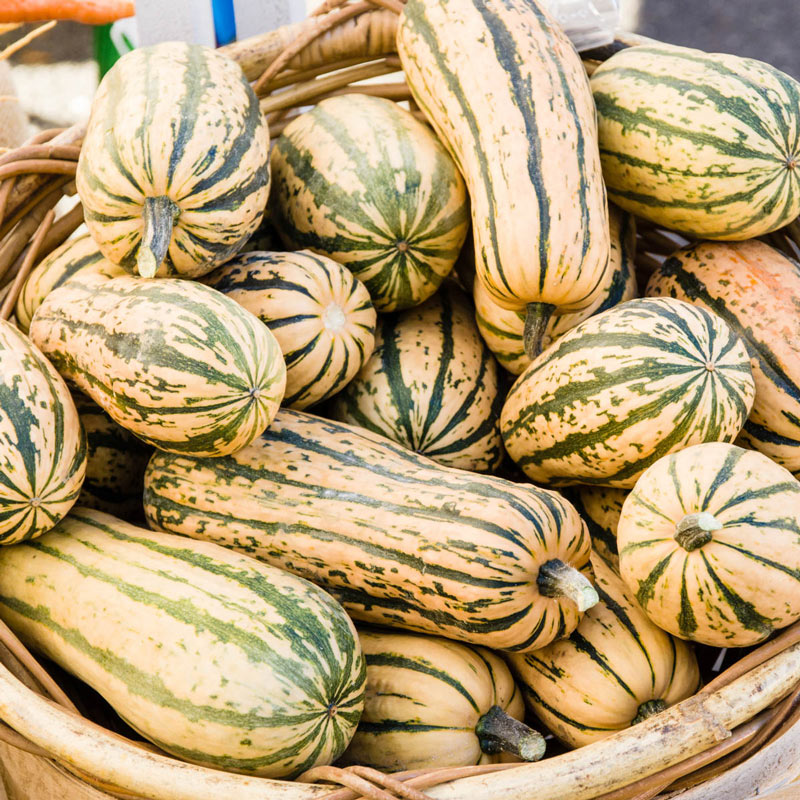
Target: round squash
625,388
708,542
616,669
174,169
431,385
600,508
320,314
430,702
358,179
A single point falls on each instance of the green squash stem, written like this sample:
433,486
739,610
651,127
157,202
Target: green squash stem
557,579
499,733
695,530
159,214
649,709
536,319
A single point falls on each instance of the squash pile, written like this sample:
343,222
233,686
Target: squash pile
378,495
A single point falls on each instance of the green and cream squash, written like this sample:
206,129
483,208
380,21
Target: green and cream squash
318,311
397,538
625,388
42,443
703,143
178,364
358,179
600,508
755,289
431,702
616,669
174,168
431,385
708,541
505,90
213,657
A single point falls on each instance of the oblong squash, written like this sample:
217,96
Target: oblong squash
174,169
215,658
180,365
623,389
398,539
431,385
600,508
754,288
616,669
703,143
708,542
318,311
42,443
358,179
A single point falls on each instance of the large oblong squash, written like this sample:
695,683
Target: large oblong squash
398,539
600,508
505,90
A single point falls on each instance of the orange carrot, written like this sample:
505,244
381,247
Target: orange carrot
91,12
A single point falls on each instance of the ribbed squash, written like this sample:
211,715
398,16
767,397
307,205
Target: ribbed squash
42,444
503,329
505,90
79,256
704,143
320,314
174,169
400,540
215,658
754,288
615,670
358,179
431,702
180,365
600,508
115,464
625,388
431,385
708,542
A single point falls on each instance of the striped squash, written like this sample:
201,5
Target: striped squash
320,314
174,169
116,461
431,702
358,179
79,256
624,389
615,670
42,444
600,508
755,289
503,329
431,385
708,542
213,657
703,143
400,540
178,364
522,129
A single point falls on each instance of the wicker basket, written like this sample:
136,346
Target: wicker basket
735,739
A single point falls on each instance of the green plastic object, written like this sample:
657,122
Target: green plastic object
110,42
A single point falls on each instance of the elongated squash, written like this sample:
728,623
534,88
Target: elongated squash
42,444
431,702
625,388
358,179
600,508
174,169
180,365
616,669
215,658
430,385
319,312
504,329
703,143
754,288
505,90
398,539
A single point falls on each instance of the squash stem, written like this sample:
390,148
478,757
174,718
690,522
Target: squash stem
557,579
498,732
159,214
649,709
695,530
536,319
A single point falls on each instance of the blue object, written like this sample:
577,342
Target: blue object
224,21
